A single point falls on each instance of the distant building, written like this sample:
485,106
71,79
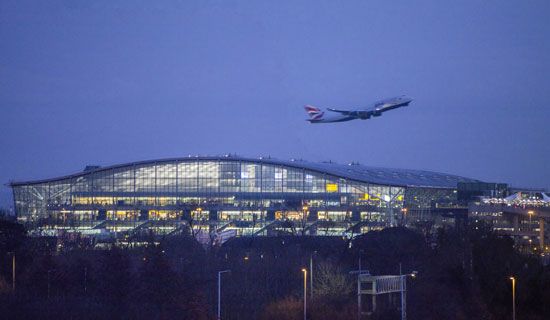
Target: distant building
221,193
521,213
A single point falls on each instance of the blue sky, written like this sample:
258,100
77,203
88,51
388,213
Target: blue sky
107,82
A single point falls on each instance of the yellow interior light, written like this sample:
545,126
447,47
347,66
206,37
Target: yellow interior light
332,187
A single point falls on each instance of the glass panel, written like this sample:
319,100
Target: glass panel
145,179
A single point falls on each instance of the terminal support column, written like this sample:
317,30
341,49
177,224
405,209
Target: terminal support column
541,234
356,216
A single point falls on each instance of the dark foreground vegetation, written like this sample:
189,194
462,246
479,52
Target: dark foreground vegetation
461,276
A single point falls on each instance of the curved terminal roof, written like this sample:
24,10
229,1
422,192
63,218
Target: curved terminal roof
352,171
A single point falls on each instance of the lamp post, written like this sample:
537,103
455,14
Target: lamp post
220,292
403,301
12,270
513,297
304,270
403,286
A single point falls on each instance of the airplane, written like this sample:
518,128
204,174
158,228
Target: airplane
316,115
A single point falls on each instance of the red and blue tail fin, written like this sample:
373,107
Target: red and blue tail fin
314,112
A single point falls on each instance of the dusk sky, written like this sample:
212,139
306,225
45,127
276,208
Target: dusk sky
108,82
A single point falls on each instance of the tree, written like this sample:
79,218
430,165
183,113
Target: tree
331,282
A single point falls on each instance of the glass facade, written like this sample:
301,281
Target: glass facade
214,191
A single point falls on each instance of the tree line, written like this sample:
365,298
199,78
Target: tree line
461,275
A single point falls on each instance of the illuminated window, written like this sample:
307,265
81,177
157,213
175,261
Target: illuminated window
331,187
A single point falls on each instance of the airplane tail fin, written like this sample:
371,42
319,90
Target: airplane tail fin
314,113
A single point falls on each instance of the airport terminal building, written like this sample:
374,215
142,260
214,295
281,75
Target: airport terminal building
247,196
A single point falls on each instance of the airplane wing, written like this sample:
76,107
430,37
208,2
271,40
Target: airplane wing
344,112
363,114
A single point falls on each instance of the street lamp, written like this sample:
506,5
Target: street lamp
304,270
513,297
220,292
